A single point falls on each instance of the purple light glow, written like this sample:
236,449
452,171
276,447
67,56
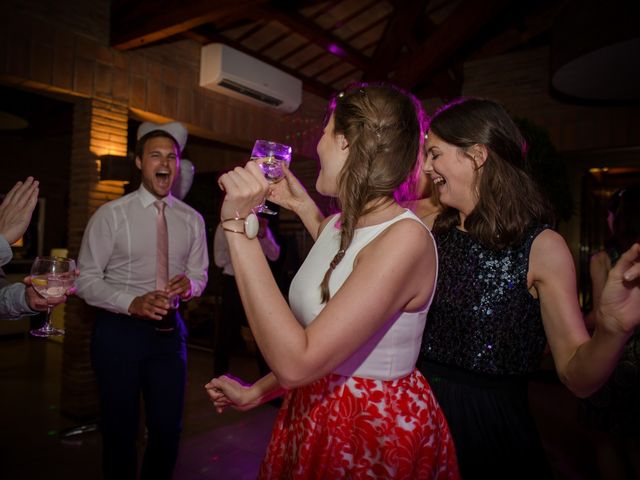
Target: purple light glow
336,50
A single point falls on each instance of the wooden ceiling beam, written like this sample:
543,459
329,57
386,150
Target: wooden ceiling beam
467,19
531,27
307,28
149,21
400,27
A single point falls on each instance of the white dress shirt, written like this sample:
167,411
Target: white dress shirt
117,259
222,255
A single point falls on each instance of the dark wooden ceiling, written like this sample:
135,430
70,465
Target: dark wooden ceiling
420,45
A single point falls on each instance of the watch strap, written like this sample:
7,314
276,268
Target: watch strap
250,225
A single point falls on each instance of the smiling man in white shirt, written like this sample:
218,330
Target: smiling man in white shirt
131,353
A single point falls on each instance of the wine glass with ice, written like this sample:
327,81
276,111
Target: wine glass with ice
51,278
270,156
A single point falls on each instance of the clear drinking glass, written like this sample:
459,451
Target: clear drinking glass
51,277
270,156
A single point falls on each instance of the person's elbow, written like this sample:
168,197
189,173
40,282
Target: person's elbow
290,380
294,374
578,388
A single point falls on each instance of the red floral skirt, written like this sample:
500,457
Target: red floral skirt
349,427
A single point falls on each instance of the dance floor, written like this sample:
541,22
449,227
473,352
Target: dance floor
35,440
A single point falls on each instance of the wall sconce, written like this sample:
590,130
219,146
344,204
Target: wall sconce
115,167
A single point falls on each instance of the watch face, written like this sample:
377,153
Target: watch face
251,225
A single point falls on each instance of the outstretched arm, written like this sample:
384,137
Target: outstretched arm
599,266
583,363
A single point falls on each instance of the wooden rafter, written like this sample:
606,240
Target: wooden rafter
148,21
396,35
453,34
533,25
312,31
354,14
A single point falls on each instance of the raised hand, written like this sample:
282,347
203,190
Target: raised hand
17,208
245,187
289,193
620,301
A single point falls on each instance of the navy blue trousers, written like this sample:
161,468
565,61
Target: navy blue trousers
132,359
228,337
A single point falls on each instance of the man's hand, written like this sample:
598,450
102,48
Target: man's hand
39,303
179,285
16,209
152,305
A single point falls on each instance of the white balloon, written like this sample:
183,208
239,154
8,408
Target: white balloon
184,179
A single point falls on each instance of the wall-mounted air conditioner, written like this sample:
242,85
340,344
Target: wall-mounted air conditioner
233,73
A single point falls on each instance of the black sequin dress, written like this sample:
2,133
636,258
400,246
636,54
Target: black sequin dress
483,337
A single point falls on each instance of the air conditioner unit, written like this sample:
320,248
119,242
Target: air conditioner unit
236,74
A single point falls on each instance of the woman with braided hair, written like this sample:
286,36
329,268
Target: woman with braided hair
344,354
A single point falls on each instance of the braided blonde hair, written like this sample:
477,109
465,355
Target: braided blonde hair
383,128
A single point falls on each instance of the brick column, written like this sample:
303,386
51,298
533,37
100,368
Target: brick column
99,127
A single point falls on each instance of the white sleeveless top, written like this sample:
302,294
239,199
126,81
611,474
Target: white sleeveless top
391,352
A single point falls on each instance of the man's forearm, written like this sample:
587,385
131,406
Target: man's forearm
13,302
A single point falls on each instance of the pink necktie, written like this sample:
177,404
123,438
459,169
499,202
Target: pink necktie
162,248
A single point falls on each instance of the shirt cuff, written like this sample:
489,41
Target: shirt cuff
27,308
5,251
123,302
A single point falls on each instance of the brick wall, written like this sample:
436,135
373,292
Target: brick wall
155,83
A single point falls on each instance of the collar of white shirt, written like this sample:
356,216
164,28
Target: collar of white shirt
147,198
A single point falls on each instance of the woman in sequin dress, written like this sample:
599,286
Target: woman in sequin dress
506,287
355,405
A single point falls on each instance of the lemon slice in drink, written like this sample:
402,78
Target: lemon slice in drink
40,282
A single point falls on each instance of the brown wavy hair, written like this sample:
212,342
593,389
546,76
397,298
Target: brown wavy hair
383,127
509,200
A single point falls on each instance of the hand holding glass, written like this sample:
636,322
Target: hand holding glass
52,277
270,156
